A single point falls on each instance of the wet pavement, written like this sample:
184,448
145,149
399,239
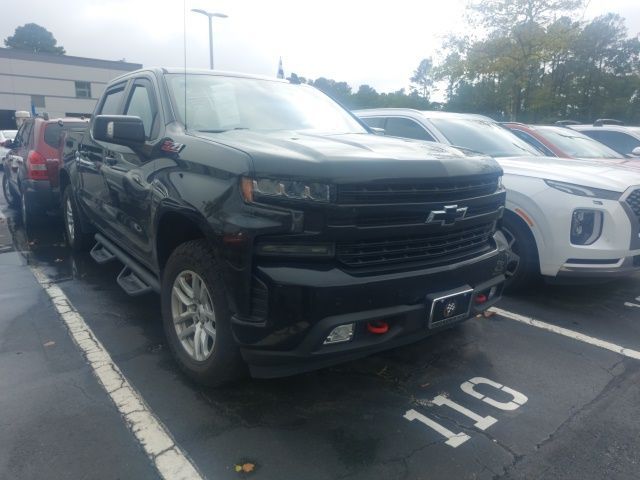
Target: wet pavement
546,406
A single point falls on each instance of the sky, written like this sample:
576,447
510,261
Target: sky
375,42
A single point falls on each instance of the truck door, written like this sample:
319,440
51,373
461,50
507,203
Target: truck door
93,191
126,173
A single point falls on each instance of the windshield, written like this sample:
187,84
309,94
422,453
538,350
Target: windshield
483,136
9,134
576,144
217,104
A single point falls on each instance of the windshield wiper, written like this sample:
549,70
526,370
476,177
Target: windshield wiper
221,130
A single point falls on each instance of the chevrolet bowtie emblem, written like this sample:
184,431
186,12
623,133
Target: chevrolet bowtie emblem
447,216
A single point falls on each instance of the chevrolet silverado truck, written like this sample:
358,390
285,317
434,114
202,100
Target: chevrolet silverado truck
279,231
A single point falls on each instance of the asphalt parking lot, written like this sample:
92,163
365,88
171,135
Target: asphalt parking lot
491,398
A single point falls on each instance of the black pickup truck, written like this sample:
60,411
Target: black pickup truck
279,231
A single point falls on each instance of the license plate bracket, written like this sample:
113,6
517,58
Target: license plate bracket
449,307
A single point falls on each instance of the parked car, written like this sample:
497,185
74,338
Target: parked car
279,232
624,140
565,219
5,136
557,141
30,180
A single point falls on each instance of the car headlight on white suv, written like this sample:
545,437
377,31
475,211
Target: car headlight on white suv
586,226
583,191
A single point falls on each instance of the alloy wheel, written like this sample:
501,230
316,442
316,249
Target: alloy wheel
514,257
193,315
68,216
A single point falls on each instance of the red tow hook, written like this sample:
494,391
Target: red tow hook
480,298
378,327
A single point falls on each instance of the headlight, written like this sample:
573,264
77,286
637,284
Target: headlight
252,189
586,226
583,191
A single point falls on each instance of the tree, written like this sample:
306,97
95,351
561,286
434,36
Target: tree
34,38
422,79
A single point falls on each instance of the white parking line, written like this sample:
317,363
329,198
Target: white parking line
169,459
627,352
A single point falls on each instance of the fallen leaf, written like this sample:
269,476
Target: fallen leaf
488,313
248,467
238,468
57,260
425,385
50,343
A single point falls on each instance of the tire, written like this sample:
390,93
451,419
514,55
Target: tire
11,199
219,360
524,266
30,216
78,239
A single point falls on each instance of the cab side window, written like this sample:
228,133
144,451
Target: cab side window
112,101
406,128
140,104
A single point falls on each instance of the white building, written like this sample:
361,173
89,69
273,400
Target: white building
60,85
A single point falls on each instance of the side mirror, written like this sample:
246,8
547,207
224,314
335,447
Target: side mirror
377,130
636,152
119,129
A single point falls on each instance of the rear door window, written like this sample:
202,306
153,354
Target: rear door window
54,131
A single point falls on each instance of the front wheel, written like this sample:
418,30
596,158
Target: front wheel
523,266
196,317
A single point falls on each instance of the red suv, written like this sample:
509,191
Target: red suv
30,179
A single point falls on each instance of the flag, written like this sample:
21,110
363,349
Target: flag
280,70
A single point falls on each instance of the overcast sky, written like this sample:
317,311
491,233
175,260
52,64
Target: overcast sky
360,41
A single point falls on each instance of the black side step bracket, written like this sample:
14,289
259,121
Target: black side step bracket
132,284
100,254
134,278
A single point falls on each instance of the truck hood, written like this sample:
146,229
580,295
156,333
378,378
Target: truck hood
348,157
589,173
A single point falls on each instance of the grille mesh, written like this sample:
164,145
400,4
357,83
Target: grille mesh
634,202
441,247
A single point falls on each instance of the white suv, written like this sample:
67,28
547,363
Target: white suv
564,218
622,139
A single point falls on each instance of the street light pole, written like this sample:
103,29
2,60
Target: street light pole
209,15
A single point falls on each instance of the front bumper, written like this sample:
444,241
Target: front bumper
306,303
605,268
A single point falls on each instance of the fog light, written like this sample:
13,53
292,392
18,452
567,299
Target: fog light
586,226
480,298
342,333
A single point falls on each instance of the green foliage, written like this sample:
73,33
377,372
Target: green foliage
536,63
34,38
366,96
422,79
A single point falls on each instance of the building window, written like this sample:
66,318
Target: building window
38,101
83,89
